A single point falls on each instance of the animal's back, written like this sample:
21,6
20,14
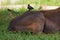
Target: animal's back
32,21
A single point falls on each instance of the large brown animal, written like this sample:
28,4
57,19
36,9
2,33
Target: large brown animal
29,21
34,21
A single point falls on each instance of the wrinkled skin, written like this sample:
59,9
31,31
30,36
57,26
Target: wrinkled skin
50,27
52,23
29,21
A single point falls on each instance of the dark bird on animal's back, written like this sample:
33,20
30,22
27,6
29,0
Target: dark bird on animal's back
30,7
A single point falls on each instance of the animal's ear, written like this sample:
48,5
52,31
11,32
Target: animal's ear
40,8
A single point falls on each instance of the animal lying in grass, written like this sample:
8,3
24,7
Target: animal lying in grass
47,21
29,21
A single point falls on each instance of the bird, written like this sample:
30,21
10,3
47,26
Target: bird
30,7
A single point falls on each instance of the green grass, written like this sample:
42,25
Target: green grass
6,17
37,2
